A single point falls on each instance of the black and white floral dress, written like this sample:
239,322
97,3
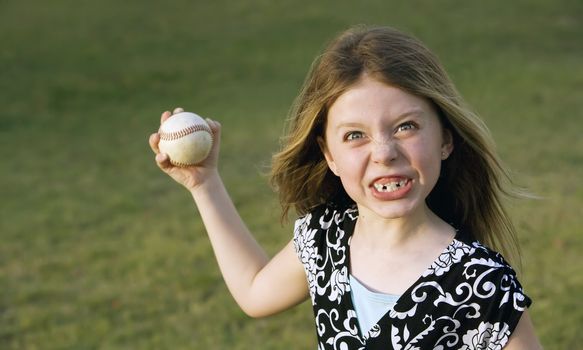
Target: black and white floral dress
469,298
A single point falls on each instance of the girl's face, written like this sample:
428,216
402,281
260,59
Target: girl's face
386,146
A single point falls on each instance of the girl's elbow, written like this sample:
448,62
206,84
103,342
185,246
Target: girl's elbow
255,312
263,308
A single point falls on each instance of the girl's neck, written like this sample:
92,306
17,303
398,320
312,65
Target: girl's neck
424,226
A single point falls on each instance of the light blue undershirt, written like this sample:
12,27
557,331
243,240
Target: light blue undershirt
370,306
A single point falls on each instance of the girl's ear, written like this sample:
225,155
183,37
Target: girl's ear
327,155
447,145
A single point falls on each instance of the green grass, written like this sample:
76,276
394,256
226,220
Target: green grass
102,251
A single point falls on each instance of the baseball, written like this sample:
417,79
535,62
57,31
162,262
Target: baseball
186,138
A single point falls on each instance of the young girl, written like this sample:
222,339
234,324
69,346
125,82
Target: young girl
399,193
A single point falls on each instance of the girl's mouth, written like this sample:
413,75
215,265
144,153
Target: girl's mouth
390,186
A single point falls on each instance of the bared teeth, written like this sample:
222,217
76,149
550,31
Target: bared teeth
390,186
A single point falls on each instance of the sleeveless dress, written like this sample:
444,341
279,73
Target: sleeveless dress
469,298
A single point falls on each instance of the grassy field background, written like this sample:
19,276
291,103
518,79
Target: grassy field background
100,250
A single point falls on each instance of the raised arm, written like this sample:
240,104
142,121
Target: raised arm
261,286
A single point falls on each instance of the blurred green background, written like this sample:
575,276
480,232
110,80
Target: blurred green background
100,250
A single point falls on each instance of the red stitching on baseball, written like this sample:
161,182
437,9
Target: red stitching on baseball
180,164
169,136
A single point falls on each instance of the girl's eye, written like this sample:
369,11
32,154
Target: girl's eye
354,135
406,126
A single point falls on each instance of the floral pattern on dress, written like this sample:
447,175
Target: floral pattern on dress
452,254
486,337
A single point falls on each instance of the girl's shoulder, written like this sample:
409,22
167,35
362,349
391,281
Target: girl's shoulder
479,253
478,265
493,282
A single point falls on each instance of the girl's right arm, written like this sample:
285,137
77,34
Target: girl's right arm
260,286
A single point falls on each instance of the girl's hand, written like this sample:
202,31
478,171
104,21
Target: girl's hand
193,176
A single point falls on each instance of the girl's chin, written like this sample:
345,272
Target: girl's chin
391,212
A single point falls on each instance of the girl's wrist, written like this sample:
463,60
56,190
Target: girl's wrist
210,184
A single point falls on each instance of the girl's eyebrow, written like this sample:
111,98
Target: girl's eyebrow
349,125
414,112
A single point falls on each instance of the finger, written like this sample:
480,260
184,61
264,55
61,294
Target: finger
165,116
154,140
214,125
178,110
163,161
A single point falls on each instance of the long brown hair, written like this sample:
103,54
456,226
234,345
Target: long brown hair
470,192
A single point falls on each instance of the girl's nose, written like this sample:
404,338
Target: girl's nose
384,152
